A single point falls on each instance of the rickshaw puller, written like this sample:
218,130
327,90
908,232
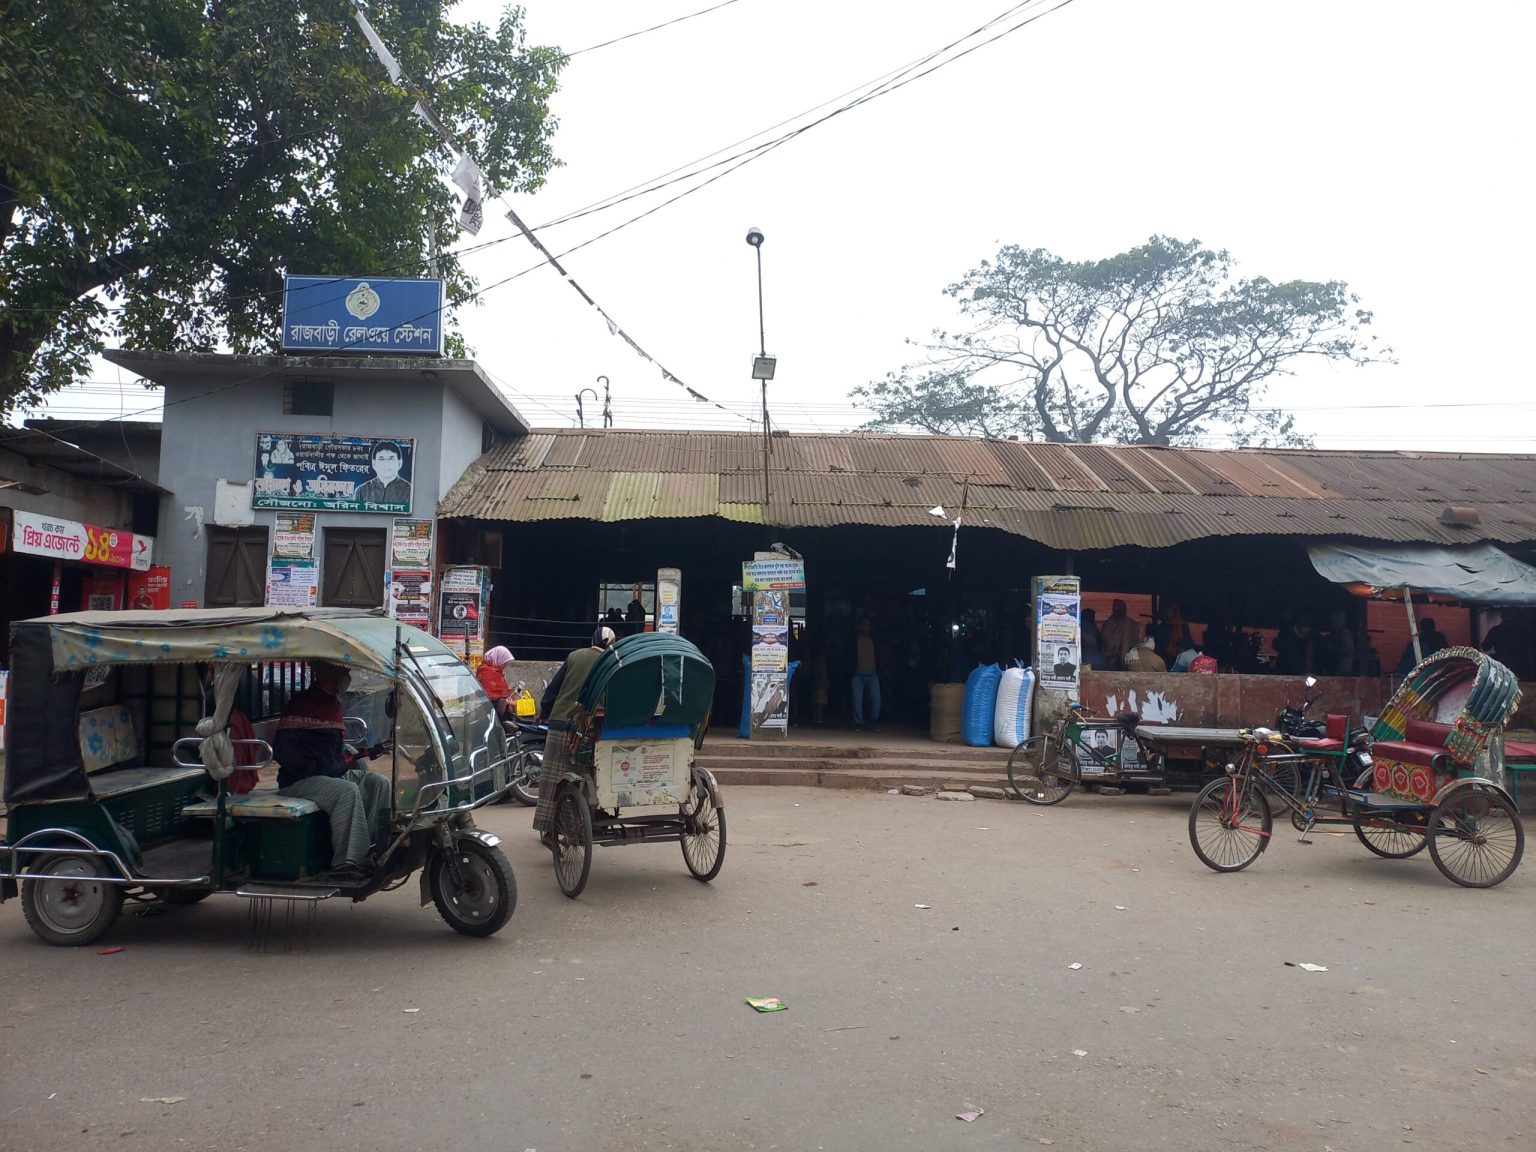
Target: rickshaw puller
556,709
309,750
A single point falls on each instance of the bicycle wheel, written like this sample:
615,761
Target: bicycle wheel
1391,837
1040,771
1476,838
1229,824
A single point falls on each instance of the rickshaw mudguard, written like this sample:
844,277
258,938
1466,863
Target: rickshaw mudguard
489,839
1478,782
14,854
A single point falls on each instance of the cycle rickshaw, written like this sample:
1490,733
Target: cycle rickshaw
1434,779
630,775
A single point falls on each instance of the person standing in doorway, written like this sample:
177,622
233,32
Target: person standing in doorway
866,676
634,615
1118,635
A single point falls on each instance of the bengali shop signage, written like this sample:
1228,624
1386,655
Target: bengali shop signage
354,315
60,539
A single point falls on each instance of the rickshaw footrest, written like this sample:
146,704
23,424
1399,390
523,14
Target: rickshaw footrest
286,892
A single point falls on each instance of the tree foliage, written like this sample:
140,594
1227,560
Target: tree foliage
163,164
1162,344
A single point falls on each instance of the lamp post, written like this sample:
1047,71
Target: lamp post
762,364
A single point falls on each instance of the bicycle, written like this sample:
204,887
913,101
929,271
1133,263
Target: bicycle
1046,768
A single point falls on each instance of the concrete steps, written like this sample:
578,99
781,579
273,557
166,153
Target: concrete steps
852,763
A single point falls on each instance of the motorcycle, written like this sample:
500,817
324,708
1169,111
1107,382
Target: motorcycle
1351,750
527,760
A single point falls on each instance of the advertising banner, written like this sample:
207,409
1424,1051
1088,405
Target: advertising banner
781,574
150,590
1058,642
60,539
409,576
333,473
770,700
351,315
669,599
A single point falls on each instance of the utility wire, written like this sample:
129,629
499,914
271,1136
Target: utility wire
652,28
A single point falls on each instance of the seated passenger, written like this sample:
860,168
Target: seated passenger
312,764
494,681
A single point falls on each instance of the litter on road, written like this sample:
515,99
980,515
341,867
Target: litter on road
970,1114
767,1004
161,1099
1074,966
1305,967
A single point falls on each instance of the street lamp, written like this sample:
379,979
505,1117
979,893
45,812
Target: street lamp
762,364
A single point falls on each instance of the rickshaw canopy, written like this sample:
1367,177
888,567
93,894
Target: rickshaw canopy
650,678
50,656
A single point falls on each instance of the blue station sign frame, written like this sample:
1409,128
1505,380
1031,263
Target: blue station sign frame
363,315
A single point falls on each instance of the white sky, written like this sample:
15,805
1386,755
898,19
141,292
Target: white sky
1374,141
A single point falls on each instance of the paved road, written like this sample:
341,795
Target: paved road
616,1022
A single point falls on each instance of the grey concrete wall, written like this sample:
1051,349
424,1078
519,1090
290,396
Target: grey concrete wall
63,495
210,435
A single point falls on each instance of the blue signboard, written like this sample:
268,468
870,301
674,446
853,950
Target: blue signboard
362,315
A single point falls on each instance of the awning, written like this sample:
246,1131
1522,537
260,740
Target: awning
1471,573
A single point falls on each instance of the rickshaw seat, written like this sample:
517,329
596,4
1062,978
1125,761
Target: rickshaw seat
122,781
259,804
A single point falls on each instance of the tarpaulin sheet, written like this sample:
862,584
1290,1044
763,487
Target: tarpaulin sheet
1471,573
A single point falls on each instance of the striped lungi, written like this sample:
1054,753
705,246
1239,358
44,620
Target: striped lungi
557,762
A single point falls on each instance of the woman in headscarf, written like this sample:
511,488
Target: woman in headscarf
494,680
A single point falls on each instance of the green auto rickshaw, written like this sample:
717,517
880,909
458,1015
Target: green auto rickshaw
125,731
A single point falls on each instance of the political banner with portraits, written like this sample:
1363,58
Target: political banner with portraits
321,473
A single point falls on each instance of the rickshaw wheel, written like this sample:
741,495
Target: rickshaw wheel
573,841
703,836
1229,824
74,912
1388,838
489,896
1476,838
1032,780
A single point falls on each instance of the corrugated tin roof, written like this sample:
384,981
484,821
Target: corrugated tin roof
1069,496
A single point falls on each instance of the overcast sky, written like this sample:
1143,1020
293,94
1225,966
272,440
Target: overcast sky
1378,142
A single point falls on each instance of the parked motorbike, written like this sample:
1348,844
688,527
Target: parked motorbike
527,762
1356,762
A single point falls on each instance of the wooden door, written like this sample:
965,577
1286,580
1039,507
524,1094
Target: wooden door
237,568
353,576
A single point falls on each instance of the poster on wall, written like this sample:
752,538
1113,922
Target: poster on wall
293,536
1058,643
150,591
769,582
463,603
409,577
669,599
410,596
101,594
410,544
334,473
770,700
293,584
